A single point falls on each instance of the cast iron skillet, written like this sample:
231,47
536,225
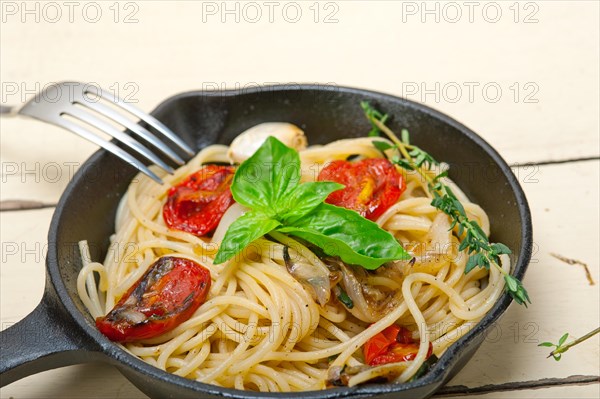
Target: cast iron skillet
60,332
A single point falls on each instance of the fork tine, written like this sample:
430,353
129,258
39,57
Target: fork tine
149,119
117,134
108,146
134,127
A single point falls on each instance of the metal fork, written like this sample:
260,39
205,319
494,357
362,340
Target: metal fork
76,100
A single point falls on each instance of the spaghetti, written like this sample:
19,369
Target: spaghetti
260,328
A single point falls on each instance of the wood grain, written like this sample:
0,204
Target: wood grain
460,390
551,138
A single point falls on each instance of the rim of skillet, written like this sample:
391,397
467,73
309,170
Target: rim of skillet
434,376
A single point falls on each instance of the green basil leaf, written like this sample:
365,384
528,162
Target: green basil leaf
425,367
344,233
242,232
268,175
303,199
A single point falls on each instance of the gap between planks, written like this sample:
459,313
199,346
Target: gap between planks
446,391
23,205
456,390
27,205
554,162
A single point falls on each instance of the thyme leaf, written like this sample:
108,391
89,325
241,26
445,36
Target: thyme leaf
561,347
373,114
472,238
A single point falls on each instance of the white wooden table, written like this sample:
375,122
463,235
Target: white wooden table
525,76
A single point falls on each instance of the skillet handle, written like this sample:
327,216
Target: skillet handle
45,339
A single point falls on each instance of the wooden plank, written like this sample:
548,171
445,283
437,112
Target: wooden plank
536,118
564,205
574,380
564,200
552,124
591,391
38,160
91,381
22,276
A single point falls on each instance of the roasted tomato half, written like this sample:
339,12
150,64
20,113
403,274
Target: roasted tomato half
392,345
197,204
372,185
166,296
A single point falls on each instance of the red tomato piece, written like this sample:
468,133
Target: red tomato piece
392,332
399,353
380,343
404,336
197,204
392,345
375,346
372,185
164,297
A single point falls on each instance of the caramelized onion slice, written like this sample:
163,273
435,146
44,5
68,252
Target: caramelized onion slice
315,278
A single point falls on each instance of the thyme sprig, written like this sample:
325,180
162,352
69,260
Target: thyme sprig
561,347
481,252
372,115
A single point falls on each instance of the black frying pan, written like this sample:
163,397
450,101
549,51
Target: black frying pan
60,332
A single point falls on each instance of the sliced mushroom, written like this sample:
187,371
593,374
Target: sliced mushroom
369,304
315,277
